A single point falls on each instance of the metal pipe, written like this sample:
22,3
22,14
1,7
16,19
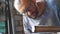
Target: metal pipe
8,18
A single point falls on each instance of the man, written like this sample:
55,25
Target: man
37,13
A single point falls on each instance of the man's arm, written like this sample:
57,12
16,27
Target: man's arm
21,5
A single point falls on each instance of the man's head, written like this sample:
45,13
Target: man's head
31,8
